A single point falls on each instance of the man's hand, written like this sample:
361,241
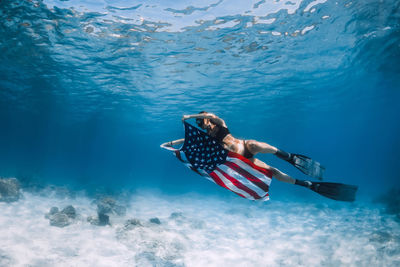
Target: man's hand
185,117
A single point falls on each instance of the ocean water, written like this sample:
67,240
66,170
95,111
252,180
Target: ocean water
90,89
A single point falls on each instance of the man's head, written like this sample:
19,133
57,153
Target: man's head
205,123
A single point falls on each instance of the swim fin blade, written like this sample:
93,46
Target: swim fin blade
336,191
307,166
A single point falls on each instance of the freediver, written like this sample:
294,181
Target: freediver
217,128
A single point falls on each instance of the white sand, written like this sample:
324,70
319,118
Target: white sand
204,231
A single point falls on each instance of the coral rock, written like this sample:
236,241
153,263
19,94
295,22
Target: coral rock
9,190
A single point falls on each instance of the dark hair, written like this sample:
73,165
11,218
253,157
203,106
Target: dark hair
200,122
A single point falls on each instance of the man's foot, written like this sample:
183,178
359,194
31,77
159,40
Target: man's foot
284,155
304,183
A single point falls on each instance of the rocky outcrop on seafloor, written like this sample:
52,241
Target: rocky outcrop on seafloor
99,220
106,207
155,221
156,243
5,259
61,218
391,200
109,206
9,190
179,219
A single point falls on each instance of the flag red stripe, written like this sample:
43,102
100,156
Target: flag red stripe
248,176
238,184
178,155
219,182
254,166
195,170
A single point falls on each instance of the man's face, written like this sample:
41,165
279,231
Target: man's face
207,125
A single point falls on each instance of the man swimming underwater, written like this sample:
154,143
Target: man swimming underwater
217,128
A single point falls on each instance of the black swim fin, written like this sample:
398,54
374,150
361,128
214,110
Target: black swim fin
305,164
336,191
308,166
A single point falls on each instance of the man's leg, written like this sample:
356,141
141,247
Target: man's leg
277,174
260,147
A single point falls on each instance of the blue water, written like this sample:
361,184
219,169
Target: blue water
90,89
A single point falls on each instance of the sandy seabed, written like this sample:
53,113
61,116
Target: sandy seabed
194,230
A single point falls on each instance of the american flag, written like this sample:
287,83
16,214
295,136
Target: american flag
206,156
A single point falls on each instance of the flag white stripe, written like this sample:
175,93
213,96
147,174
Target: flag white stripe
250,169
232,187
183,157
243,180
208,177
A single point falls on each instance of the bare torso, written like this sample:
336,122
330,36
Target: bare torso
229,142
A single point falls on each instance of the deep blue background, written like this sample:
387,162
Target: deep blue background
86,99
